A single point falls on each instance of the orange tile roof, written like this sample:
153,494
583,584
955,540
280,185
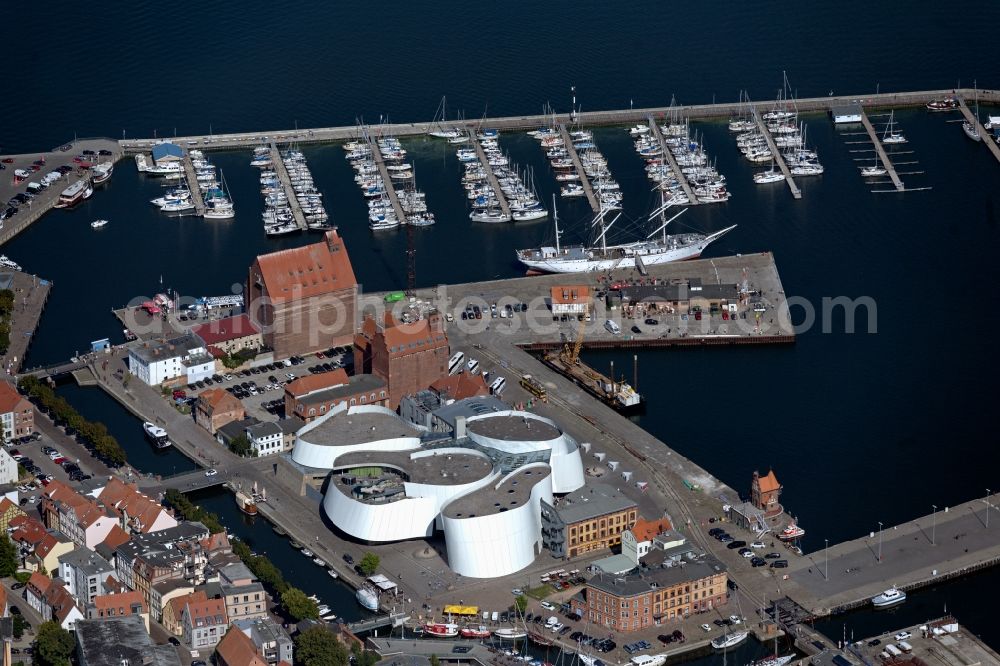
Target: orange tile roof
6,505
570,294
306,271
123,600
217,541
768,483
114,586
207,609
127,499
317,382
461,386
59,599
402,339
646,530
225,329
39,581
33,532
178,603
219,399
236,649
116,537
10,399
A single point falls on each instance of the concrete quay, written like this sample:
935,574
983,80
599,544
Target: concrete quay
42,203
950,542
775,153
984,135
882,155
588,189
31,294
931,643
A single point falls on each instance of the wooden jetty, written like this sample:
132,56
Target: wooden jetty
669,157
192,181
595,203
880,151
491,177
776,154
986,137
390,189
286,183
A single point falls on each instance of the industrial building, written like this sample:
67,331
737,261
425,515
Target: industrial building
313,396
482,484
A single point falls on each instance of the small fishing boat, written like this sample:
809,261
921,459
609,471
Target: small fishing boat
97,224
441,629
791,532
474,631
890,597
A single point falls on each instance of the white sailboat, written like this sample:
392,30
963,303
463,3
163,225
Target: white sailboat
972,129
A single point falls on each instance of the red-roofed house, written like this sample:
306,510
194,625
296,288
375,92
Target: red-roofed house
116,537
236,649
139,513
215,408
17,415
639,540
8,511
230,334
312,396
119,605
303,298
43,547
764,493
408,357
204,622
84,520
50,599
173,611
571,300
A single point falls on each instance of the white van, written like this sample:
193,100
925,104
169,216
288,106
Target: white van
612,327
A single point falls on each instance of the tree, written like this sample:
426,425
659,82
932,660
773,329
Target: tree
362,657
8,557
18,626
520,603
317,646
435,661
53,645
240,446
298,605
369,563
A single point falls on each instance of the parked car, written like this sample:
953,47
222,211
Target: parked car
547,606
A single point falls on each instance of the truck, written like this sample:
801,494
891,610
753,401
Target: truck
534,387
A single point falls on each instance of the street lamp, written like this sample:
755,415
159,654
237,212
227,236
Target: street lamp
988,493
934,525
880,542
826,554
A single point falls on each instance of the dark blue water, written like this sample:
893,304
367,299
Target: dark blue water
860,428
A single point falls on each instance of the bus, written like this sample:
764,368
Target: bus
473,366
455,364
394,297
496,388
534,387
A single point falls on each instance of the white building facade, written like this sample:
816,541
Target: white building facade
8,468
155,362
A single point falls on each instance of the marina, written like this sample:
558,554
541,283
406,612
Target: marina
193,184
776,155
588,189
498,193
278,164
387,184
675,169
994,148
883,156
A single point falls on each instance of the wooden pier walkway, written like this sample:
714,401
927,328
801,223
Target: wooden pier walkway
286,183
390,189
778,159
491,177
669,157
983,134
192,182
595,203
880,150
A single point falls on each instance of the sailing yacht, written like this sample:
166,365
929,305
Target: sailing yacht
971,129
874,170
441,132
219,205
769,176
891,134
650,250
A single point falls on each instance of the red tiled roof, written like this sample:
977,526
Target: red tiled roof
236,649
402,339
317,382
217,541
645,530
768,483
116,537
219,399
307,271
40,582
567,294
213,611
10,399
32,532
178,603
461,386
121,600
226,329
127,499
6,505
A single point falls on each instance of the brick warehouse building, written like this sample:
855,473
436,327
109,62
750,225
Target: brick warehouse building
303,299
407,357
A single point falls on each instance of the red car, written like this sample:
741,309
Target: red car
8,160
60,460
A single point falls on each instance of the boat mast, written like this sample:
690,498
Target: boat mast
555,219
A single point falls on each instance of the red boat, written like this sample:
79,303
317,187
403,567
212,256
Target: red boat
474,631
791,532
441,629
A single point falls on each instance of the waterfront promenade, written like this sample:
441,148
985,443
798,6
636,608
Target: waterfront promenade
31,294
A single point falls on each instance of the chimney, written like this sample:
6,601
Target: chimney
459,427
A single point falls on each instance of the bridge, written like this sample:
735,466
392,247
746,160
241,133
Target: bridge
247,140
188,482
377,622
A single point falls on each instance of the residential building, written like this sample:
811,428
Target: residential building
204,623
173,611
181,360
120,640
638,541
83,519
84,573
765,492
119,604
407,356
8,511
215,408
234,429
290,426
138,513
572,300
230,334
625,604
269,638
592,518
8,468
236,649
39,547
17,414
51,600
303,299
313,396
163,593
243,593
172,554
265,438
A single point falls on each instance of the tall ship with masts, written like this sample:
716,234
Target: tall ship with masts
657,247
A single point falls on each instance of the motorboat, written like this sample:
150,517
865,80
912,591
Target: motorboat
7,262
890,597
729,640
945,104
318,561
367,598
510,633
763,177
246,503
101,173
774,660
441,629
791,532
639,130
308,553
75,193
333,574
157,435
97,224
474,631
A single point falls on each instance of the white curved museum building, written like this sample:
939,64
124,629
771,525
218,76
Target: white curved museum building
481,485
